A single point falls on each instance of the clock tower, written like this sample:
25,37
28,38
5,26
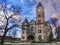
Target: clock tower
39,22
40,13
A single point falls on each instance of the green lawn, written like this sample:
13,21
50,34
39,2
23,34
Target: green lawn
34,44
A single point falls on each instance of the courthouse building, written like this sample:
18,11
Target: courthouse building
38,30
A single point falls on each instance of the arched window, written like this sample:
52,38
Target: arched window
32,29
39,21
39,15
39,31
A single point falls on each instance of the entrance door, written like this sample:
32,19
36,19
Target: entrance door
30,37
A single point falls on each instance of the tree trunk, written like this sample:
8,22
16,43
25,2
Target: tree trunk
3,37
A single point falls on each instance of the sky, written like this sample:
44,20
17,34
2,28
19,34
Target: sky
28,8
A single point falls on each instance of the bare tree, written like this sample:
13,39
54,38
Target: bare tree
11,21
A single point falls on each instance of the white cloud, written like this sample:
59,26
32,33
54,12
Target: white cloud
1,12
22,1
16,17
56,15
8,6
31,0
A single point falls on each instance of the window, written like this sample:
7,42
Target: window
39,21
32,29
25,23
25,27
39,31
39,10
58,27
39,15
39,37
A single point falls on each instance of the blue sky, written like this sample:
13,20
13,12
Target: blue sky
28,7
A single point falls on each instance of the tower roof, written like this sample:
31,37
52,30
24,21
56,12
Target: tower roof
25,21
39,4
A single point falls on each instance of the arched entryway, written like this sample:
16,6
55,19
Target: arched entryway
30,37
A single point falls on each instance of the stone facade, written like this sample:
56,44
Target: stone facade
58,32
36,30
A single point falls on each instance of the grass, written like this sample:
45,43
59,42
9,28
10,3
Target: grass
34,44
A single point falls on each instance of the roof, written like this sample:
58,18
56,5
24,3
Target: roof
25,21
32,21
39,4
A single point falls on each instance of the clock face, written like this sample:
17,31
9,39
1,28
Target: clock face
39,10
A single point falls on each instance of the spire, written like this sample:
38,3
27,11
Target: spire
39,4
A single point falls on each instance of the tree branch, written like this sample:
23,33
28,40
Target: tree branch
11,16
6,25
16,25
